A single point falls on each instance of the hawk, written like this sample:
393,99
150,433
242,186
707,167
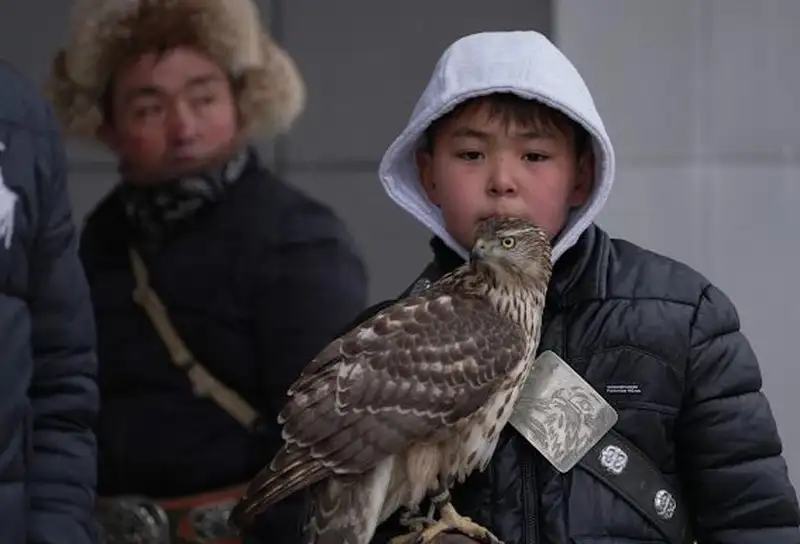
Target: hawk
414,398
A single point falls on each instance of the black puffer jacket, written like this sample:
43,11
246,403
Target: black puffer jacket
622,315
48,394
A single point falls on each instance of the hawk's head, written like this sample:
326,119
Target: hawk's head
513,247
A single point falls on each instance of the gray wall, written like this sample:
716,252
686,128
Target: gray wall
365,64
696,94
700,99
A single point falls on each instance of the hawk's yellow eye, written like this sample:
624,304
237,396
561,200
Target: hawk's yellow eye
508,242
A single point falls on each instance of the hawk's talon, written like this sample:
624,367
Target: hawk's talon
453,521
419,523
416,523
412,519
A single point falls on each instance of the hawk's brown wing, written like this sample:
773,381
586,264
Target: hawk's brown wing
416,367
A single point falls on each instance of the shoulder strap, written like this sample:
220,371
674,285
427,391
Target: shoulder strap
620,465
630,474
203,383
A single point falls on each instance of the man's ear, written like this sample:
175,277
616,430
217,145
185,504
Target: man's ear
424,159
584,180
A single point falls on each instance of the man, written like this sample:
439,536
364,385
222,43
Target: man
48,394
252,276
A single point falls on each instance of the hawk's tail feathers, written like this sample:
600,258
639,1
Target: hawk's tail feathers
270,487
347,509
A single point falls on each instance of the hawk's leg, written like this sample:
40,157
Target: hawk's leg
413,519
449,520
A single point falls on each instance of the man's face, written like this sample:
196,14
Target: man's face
173,114
481,166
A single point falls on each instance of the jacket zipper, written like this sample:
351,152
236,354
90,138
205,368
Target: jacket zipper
529,485
529,501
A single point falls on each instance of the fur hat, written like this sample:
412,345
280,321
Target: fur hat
103,33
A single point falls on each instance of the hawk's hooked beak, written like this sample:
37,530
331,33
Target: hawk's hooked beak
478,250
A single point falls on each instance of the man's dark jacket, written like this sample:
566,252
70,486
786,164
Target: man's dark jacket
256,284
48,396
623,316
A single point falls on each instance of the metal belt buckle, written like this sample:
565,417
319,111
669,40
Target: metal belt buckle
210,523
132,520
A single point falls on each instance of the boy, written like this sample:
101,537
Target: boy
507,126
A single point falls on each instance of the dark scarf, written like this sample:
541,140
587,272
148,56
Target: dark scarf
157,211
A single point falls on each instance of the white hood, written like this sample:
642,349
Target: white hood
521,62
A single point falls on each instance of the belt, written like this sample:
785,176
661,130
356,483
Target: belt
194,519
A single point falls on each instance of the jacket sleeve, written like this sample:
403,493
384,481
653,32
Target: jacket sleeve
312,284
729,451
63,393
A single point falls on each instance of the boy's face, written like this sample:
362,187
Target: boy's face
481,165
